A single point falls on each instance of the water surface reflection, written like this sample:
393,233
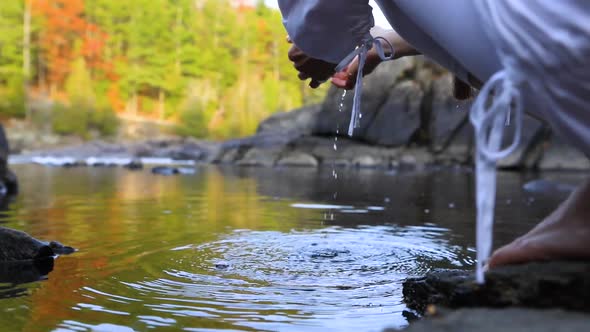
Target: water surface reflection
245,249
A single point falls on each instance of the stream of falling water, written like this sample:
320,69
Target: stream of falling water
334,172
340,110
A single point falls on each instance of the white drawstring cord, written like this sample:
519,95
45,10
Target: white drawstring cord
489,123
361,52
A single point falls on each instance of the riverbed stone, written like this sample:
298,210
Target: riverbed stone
367,161
526,154
302,120
298,159
564,285
559,155
259,157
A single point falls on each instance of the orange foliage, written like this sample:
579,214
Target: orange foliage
65,28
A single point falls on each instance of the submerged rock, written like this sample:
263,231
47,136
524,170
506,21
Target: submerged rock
166,170
19,246
134,165
564,285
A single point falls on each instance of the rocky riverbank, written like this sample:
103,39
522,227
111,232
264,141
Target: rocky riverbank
410,119
549,296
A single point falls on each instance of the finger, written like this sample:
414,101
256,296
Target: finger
339,82
303,76
339,79
314,84
351,74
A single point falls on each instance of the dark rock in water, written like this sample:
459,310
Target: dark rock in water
563,285
328,253
505,320
134,165
60,249
221,266
165,170
19,246
25,271
8,181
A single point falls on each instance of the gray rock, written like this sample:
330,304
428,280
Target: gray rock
461,146
375,93
447,114
526,155
368,162
506,320
300,120
298,159
398,119
260,157
559,155
563,285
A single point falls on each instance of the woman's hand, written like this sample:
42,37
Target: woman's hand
346,79
318,70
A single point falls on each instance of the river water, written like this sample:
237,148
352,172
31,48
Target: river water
245,249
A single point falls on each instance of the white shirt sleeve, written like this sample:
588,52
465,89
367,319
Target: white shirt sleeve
327,29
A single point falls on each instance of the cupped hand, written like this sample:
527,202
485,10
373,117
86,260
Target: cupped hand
318,70
346,79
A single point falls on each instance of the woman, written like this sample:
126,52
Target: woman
531,54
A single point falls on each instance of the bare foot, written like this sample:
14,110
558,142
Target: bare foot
564,234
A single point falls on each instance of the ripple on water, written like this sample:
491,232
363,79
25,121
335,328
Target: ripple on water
310,278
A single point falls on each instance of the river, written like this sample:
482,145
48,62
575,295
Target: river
245,249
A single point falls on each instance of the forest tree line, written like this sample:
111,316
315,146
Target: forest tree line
210,67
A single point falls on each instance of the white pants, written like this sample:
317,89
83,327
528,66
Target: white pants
458,36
